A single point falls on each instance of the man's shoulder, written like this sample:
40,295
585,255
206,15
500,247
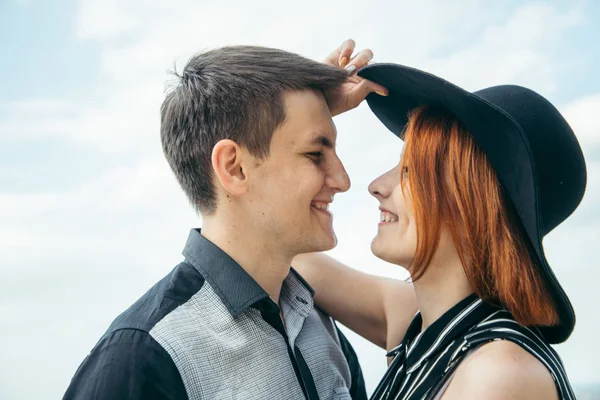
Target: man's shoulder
175,289
126,363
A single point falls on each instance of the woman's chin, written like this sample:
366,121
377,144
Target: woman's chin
379,251
375,248
387,254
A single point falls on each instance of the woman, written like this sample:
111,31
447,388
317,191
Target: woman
483,177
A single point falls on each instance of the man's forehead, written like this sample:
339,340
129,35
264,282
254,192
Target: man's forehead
307,119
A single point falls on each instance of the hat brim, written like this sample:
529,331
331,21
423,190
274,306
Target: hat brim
497,134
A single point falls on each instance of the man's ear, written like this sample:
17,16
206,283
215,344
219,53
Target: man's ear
227,162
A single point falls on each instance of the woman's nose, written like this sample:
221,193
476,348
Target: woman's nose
383,186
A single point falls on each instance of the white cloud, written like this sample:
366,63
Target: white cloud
582,115
106,20
519,50
141,40
44,106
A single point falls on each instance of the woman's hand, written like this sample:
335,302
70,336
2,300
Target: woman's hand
351,93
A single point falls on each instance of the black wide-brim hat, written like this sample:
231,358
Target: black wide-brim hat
529,144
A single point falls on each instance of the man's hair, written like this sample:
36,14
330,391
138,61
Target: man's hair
231,93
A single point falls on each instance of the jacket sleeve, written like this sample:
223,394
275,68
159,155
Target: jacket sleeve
358,390
127,364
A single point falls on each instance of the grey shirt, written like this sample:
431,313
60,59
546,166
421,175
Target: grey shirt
209,331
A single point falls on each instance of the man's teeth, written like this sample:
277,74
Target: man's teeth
321,206
387,217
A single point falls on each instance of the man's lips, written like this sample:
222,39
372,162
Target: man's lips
321,206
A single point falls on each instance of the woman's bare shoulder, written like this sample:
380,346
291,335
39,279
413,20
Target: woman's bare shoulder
499,370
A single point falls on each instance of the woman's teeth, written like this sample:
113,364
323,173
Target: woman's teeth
387,217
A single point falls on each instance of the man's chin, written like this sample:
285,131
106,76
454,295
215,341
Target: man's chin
332,244
324,242
332,239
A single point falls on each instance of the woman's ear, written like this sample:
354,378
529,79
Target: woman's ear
227,160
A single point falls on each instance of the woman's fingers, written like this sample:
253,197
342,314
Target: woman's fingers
360,60
355,89
342,57
346,50
362,90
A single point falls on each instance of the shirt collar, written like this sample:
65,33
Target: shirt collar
419,346
297,293
234,286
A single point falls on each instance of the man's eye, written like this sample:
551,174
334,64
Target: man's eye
316,155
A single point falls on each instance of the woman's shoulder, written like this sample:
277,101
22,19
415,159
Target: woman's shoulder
501,369
502,326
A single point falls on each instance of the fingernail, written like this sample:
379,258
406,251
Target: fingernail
381,93
351,68
343,62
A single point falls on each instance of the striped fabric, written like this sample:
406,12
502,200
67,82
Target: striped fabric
425,360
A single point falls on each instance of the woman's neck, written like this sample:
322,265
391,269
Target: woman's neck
441,287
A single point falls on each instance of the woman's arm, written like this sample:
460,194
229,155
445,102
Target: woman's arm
379,309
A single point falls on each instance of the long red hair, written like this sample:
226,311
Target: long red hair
453,185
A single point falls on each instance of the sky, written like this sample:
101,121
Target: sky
91,216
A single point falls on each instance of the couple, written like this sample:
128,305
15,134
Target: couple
249,135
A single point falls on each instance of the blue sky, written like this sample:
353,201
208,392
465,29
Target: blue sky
91,215
46,59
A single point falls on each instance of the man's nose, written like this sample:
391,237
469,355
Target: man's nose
338,178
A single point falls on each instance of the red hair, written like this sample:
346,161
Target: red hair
453,185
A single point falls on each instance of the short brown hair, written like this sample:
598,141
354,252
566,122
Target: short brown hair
470,203
231,93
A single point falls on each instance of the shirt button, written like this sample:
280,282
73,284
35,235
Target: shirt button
301,300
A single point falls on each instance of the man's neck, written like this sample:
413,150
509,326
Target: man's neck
440,288
262,260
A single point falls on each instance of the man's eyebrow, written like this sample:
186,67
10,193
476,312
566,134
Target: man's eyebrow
322,139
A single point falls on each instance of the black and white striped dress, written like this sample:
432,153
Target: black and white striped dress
424,361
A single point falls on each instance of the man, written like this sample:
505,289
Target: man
249,135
